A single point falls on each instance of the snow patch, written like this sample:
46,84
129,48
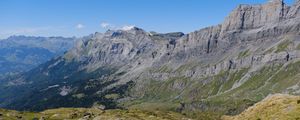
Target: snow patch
49,87
65,90
53,86
127,27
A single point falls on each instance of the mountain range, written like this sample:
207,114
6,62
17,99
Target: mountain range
22,53
214,71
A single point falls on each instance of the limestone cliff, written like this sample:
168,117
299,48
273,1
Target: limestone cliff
226,68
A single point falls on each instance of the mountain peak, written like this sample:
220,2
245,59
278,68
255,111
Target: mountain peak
125,28
128,27
124,31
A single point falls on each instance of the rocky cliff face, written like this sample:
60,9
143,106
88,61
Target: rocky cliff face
224,68
254,16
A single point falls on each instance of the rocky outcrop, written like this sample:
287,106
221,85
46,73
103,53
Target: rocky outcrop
294,10
222,63
254,16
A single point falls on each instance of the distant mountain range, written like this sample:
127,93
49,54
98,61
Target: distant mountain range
214,71
22,53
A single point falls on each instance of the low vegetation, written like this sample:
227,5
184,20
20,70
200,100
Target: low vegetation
244,54
283,46
90,114
278,106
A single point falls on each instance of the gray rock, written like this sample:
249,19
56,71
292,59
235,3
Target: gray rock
251,37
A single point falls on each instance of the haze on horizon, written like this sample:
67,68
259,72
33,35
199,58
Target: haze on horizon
79,18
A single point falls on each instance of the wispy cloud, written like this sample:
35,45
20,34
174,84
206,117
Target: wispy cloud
80,26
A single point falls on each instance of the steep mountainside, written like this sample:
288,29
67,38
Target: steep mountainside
217,70
21,53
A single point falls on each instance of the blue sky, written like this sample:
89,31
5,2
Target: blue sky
83,17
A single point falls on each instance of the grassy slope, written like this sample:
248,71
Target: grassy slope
278,106
89,114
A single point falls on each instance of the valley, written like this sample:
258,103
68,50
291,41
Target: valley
247,67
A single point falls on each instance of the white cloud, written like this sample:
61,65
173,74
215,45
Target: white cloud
105,25
80,26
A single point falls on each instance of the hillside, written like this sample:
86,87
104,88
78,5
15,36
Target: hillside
278,106
90,114
22,53
214,71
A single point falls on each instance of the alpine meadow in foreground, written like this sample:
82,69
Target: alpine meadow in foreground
247,67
